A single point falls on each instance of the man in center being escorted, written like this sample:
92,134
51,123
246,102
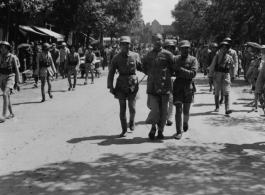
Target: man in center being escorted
157,65
127,85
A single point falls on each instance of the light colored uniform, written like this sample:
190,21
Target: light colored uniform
7,72
260,81
220,70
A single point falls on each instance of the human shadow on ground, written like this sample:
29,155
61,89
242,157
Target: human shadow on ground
202,105
245,99
174,169
117,140
201,93
59,91
36,102
234,148
98,137
204,113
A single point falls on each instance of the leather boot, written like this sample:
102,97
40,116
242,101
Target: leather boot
216,99
227,105
132,125
124,127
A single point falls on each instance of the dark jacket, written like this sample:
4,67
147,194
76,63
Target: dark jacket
157,65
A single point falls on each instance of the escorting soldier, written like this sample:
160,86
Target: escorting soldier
126,63
169,45
247,58
157,65
9,77
185,69
72,65
221,69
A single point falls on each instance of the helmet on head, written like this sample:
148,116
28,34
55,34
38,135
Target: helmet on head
184,43
6,44
169,43
214,45
224,43
227,39
45,46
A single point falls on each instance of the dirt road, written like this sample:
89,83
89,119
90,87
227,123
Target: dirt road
69,146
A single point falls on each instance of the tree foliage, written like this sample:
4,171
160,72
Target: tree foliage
213,18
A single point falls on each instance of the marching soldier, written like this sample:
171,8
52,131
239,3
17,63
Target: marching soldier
185,69
221,69
9,77
72,64
127,85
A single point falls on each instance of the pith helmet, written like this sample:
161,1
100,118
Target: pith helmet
224,43
227,39
45,46
214,45
6,44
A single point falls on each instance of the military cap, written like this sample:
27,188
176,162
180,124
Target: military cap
227,39
184,43
45,46
169,42
125,39
54,44
6,44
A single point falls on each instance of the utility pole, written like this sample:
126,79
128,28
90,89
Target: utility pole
50,25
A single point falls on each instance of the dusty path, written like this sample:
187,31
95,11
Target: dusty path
69,146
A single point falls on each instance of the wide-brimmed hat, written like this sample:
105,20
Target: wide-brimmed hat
6,44
63,44
45,46
227,39
224,43
184,43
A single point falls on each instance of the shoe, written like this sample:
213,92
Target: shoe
221,101
160,135
228,112
43,100
10,116
35,85
2,119
73,89
18,88
132,125
216,110
185,127
169,123
152,134
210,90
85,83
50,95
70,89
123,134
255,109
178,136
92,82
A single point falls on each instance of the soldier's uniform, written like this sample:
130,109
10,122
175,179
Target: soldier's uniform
72,65
221,68
127,83
247,58
185,69
9,76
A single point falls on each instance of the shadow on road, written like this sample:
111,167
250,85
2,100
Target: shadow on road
202,105
205,169
245,122
37,102
204,113
99,137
